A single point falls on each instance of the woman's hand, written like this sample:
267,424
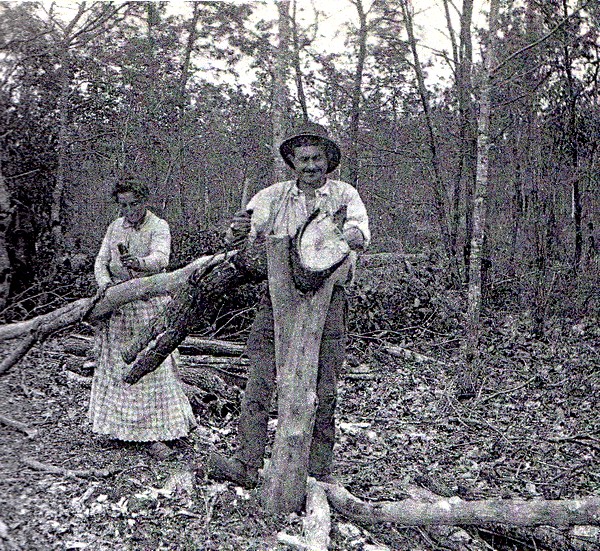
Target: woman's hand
239,228
131,262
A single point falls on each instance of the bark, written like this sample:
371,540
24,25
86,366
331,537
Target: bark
480,199
299,321
455,511
280,104
5,220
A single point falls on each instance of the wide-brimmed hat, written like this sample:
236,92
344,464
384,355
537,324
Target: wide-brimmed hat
311,130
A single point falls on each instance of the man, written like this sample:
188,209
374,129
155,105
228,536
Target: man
280,210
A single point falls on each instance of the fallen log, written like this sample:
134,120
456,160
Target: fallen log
195,345
41,327
199,293
455,511
82,345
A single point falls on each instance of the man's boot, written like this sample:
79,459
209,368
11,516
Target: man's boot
233,469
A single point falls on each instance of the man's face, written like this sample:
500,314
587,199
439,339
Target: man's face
310,164
131,206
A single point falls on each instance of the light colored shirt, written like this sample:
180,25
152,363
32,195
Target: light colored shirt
150,243
281,209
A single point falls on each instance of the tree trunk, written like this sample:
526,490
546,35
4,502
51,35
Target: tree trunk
297,67
480,199
280,103
299,321
5,220
353,161
468,139
437,187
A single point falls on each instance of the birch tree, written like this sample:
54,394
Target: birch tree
481,189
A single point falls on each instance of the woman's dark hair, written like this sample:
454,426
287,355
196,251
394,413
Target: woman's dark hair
133,185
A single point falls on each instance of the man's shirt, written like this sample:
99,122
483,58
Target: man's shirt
281,209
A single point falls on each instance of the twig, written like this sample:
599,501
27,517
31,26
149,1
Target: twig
72,473
31,433
506,391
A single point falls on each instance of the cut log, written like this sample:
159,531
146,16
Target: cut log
299,321
200,293
455,511
317,251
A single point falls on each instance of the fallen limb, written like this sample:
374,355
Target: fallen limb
31,433
407,354
81,345
317,522
455,511
115,297
201,292
41,327
72,473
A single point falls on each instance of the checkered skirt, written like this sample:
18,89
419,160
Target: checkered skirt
153,409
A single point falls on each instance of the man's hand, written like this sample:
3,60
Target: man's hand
131,262
355,238
239,228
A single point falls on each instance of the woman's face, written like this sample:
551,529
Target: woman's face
132,207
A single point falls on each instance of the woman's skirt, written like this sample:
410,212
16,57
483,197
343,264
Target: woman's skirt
153,409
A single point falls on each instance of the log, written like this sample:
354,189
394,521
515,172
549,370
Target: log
299,321
150,348
40,327
455,511
81,345
317,522
195,345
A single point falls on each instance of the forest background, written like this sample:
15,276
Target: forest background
192,100
476,156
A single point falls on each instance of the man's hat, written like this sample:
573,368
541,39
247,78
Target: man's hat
311,130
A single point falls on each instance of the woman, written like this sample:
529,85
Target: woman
154,410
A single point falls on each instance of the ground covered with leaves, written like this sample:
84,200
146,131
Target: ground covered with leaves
532,431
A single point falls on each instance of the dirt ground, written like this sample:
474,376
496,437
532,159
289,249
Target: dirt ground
532,432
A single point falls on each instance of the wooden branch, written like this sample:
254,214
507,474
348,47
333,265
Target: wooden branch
201,292
115,297
31,433
407,354
317,522
72,473
81,345
455,511
195,345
